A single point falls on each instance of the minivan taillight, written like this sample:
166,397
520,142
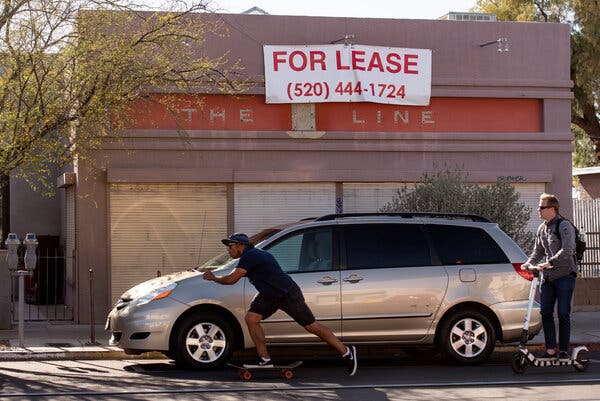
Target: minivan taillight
526,274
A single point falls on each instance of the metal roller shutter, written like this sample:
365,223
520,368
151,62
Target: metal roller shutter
369,197
259,205
530,196
163,228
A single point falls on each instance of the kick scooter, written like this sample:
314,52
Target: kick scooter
579,356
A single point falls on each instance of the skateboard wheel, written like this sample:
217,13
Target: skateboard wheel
245,375
288,374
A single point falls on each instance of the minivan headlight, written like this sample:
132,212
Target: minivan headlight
157,293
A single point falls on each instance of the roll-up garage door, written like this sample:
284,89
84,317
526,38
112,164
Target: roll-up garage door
163,228
369,197
262,205
530,196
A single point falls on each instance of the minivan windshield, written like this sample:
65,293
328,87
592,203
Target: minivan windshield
223,260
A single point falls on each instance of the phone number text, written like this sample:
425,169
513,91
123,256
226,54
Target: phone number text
298,90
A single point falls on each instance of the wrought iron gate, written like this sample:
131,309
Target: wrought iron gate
46,289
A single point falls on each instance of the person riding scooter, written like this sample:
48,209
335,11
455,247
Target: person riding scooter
557,254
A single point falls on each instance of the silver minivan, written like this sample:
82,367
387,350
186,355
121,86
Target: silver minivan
452,282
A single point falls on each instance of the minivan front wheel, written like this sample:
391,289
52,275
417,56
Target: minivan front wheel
202,342
467,337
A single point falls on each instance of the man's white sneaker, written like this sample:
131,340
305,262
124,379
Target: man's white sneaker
351,360
260,363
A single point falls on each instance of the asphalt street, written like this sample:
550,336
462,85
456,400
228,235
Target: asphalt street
398,378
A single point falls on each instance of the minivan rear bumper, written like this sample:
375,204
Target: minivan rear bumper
512,317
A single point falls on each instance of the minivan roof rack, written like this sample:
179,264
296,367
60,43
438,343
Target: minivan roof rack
458,216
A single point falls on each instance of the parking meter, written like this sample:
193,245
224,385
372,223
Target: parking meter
12,258
31,243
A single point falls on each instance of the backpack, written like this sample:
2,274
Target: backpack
580,244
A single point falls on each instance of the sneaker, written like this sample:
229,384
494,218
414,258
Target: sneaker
563,355
260,363
351,360
546,355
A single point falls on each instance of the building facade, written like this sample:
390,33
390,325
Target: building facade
589,182
150,203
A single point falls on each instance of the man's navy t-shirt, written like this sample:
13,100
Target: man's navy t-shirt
265,274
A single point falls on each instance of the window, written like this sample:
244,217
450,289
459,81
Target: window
373,246
458,245
305,251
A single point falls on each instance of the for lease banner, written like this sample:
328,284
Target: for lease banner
347,73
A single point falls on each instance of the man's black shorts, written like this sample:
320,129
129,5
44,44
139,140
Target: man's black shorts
293,304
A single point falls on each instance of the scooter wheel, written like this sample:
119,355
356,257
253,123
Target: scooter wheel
519,363
581,361
581,366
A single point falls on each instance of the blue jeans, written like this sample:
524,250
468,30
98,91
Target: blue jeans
560,292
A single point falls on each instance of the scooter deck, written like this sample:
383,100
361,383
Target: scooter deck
535,361
578,359
285,371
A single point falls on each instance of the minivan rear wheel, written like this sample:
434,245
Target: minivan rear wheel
202,342
467,337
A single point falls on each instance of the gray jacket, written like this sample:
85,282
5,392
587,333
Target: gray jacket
560,252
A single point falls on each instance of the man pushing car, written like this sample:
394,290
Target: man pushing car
276,290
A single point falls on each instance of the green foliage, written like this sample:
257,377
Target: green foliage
508,10
527,10
69,68
449,192
585,150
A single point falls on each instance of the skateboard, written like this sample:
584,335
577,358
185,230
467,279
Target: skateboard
285,371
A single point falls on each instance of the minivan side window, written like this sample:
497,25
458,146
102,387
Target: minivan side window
304,251
459,245
374,246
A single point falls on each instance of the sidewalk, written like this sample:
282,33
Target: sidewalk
63,340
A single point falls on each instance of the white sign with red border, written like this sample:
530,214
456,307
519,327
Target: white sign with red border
347,73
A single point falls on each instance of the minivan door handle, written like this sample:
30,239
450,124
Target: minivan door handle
327,280
353,278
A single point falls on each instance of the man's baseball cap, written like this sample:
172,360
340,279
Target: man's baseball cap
237,238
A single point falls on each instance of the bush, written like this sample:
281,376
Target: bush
449,192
